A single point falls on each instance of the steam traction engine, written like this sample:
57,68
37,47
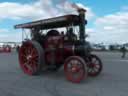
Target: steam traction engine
49,49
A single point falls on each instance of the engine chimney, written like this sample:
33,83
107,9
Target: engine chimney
82,24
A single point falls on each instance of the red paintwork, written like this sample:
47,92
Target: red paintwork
54,42
29,55
72,68
63,49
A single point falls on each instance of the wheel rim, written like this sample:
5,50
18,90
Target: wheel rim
28,57
74,69
94,66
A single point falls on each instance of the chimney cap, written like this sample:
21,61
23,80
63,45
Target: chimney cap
81,10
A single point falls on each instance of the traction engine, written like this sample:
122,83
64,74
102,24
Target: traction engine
50,48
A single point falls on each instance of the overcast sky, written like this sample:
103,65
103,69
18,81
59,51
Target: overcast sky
107,19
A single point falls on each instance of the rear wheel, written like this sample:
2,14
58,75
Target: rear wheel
75,69
94,65
30,57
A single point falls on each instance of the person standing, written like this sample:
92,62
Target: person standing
17,48
123,50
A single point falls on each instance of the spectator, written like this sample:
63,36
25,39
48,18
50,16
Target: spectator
123,50
17,48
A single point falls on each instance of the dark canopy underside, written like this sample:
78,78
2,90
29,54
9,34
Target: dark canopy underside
56,22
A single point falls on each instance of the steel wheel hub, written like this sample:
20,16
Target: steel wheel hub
29,57
91,65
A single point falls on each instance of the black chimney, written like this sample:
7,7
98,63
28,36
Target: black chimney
82,24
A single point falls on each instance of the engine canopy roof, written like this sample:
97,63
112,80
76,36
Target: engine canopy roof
56,22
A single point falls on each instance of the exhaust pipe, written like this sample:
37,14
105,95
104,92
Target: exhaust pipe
83,22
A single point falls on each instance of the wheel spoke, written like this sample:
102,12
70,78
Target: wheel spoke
35,57
34,67
29,51
34,63
32,51
29,68
26,51
26,63
23,55
97,66
93,71
94,60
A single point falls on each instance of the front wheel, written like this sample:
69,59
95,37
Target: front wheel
75,69
94,65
